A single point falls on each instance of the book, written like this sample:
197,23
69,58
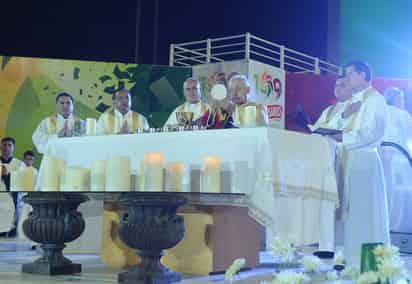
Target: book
327,131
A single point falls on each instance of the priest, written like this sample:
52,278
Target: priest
239,89
193,103
363,122
120,119
61,124
8,201
331,116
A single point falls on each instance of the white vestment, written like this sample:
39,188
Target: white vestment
331,117
397,168
365,210
198,110
48,130
7,209
111,122
399,127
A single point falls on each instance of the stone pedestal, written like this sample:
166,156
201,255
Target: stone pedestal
53,222
150,226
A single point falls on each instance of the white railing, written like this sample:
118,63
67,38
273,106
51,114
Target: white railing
247,46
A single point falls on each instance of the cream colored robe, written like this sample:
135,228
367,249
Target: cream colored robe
111,121
48,130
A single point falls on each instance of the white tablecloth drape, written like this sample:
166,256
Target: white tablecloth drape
288,177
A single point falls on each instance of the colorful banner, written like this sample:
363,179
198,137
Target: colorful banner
28,87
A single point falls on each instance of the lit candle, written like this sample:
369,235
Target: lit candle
174,176
23,179
90,126
153,172
118,174
249,116
211,175
76,179
98,175
51,173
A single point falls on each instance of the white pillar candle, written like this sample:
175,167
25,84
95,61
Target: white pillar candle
174,176
76,179
211,175
249,116
98,175
90,126
118,174
52,172
23,180
153,172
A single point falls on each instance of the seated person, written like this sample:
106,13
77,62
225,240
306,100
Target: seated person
120,119
192,93
62,124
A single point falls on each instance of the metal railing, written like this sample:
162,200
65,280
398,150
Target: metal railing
247,46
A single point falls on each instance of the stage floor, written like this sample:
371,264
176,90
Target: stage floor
13,254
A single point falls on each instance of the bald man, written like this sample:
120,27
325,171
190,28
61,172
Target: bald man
192,93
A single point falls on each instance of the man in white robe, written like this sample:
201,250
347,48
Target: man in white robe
395,164
399,126
8,201
193,104
331,116
239,88
365,211
120,119
62,124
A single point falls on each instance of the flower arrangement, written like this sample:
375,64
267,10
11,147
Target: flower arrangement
234,268
389,264
290,277
311,263
369,277
284,249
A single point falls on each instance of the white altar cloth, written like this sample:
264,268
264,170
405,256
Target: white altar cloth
288,177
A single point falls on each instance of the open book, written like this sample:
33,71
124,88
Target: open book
323,130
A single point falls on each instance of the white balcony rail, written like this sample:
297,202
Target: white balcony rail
247,46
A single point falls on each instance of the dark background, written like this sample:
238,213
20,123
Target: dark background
106,30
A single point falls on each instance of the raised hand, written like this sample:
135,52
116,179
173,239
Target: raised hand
125,128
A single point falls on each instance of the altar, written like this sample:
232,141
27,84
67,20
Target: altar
287,186
283,185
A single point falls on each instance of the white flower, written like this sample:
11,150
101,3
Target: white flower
331,275
339,259
390,268
311,263
350,272
290,277
234,268
367,278
385,252
283,248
